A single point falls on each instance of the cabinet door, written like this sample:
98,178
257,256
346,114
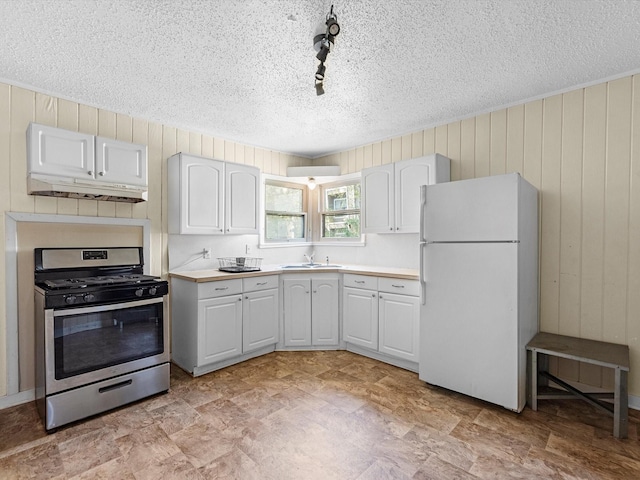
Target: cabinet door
297,312
409,175
59,152
121,162
242,198
259,319
378,199
196,192
360,317
325,313
219,329
399,318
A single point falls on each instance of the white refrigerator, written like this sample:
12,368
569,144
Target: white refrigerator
479,277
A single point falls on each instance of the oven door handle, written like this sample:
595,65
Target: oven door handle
106,308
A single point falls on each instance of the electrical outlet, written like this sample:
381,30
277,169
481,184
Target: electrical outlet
206,253
247,249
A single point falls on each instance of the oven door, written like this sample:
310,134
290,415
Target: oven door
89,344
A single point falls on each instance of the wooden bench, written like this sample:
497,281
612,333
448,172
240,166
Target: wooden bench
604,354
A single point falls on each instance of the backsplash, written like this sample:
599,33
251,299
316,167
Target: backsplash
186,251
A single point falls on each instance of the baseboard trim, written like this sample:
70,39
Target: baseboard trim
17,399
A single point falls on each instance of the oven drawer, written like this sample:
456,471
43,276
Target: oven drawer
220,288
253,284
66,407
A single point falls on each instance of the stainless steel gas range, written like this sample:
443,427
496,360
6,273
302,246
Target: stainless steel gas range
101,337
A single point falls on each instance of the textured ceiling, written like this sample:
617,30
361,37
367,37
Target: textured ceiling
244,70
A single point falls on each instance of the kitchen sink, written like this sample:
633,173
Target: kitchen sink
311,265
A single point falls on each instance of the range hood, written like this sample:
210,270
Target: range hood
54,186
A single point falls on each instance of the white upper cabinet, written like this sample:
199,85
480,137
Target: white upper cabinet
242,202
121,162
59,152
391,193
212,197
378,199
196,195
65,163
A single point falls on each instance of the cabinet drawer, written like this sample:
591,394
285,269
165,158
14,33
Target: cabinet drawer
360,281
399,285
253,284
220,288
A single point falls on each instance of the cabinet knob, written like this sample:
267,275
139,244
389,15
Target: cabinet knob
390,228
315,291
240,299
373,295
101,174
90,172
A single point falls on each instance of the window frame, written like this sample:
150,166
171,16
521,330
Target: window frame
311,205
276,181
322,212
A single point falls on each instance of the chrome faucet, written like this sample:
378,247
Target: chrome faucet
310,257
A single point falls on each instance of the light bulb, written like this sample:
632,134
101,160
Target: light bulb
311,183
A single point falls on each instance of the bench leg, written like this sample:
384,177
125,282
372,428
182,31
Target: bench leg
533,375
620,405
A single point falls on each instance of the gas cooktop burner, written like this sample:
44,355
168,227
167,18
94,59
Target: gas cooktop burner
96,281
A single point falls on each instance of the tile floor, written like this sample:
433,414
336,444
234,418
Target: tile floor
318,415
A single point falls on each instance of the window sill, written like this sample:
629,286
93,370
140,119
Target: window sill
312,244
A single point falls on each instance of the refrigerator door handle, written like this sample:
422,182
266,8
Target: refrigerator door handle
423,281
423,205
422,244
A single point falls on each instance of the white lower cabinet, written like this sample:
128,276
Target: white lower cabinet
215,324
218,323
380,321
219,329
259,319
360,317
399,320
311,310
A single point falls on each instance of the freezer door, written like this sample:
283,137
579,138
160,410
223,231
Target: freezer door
469,323
480,209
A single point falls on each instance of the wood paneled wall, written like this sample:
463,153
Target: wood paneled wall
581,149
19,106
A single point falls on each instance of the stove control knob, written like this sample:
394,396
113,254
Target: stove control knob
89,297
152,290
71,299
139,292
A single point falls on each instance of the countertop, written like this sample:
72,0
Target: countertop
212,274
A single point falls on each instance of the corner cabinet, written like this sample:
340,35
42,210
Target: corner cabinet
391,193
212,197
311,310
381,318
219,323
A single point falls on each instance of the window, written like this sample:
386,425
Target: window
339,208
285,212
